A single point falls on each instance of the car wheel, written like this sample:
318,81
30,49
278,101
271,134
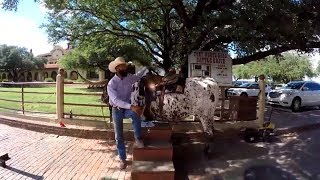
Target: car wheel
296,105
244,94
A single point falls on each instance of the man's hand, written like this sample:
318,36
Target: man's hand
137,109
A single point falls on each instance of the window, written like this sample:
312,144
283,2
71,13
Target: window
254,86
206,73
294,85
312,87
307,87
197,66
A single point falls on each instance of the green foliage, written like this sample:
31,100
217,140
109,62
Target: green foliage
48,80
281,68
318,68
99,52
16,60
168,30
79,80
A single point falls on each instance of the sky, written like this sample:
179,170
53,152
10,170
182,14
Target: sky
21,28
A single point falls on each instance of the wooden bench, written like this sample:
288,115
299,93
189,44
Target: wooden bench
3,158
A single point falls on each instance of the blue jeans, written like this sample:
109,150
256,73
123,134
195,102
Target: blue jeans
118,115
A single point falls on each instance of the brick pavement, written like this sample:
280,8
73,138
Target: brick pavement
37,155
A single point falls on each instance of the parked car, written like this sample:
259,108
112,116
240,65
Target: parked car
239,83
295,95
246,89
279,86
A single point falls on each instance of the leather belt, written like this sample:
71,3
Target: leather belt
116,107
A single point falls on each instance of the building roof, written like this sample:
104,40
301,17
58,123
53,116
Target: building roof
51,66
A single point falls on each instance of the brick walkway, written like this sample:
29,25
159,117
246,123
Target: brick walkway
45,156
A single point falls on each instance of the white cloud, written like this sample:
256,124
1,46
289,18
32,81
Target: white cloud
24,32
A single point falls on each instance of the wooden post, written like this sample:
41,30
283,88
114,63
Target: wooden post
222,114
262,100
22,98
60,94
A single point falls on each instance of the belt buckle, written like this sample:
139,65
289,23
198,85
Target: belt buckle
118,108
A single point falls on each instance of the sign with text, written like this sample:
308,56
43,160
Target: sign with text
217,65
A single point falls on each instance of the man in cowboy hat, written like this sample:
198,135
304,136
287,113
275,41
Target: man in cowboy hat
119,90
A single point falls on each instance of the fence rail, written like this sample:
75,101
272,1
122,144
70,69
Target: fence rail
22,86
81,94
60,104
87,105
22,102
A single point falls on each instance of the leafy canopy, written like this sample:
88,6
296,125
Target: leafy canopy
281,68
168,30
17,60
98,52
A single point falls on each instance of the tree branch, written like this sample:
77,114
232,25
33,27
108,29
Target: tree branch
181,10
274,51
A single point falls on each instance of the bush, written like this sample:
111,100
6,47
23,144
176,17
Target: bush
48,80
79,80
68,81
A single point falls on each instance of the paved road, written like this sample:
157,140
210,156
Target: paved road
284,118
45,156
290,157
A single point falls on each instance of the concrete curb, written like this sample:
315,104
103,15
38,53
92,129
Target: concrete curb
73,132
94,133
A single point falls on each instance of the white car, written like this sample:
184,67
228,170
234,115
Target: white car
295,95
279,86
247,89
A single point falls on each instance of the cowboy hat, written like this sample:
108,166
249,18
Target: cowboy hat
115,63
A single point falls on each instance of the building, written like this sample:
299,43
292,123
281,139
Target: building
51,69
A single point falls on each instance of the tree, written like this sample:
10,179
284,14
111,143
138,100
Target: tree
16,60
170,29
283,68
97,53
318,68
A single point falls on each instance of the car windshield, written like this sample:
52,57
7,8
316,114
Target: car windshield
245,85
294,85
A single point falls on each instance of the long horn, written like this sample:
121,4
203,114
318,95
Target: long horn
92,82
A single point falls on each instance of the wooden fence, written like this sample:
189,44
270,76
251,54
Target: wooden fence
22,102
237,110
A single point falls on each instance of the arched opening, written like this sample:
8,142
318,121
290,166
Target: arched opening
73,75
93,74
10,77
65,75
29,77
22,78
54,75
36,76
4,76
45,75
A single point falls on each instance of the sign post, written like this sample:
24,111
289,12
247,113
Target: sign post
217,65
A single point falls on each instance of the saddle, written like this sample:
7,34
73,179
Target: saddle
170,83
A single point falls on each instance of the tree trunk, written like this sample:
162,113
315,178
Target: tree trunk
167,62
184,68
15,77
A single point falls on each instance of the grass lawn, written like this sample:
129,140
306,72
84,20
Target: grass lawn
51,108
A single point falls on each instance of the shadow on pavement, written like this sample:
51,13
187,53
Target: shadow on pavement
266,172
24,173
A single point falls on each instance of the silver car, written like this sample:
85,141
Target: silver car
295,95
